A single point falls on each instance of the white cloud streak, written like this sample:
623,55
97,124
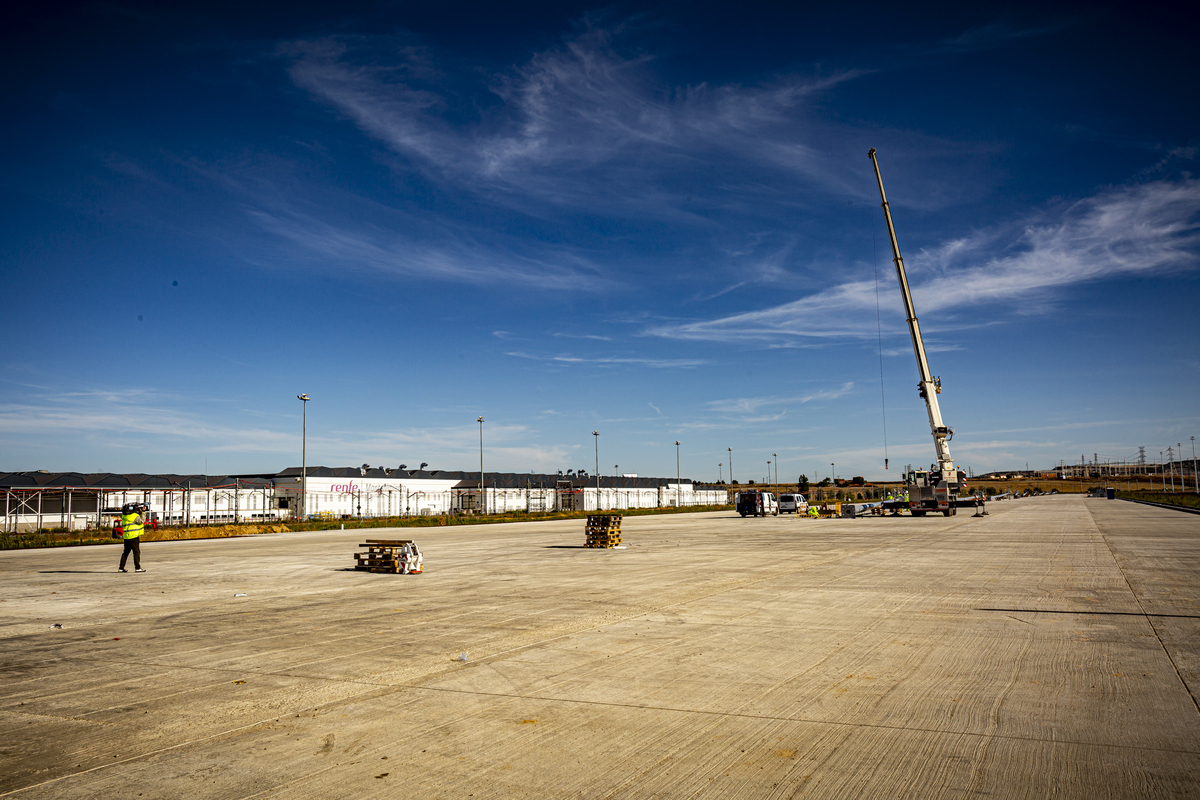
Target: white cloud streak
1152,228
121,422
660,363
577,109
339,230
455,258
749,405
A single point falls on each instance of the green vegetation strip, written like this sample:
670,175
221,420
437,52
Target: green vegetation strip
62,538
1164,498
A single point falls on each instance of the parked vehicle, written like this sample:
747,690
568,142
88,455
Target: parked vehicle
792,504
757,504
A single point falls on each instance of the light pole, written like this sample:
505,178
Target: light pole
596,439
832,473
482,500
768,472
303,398
720,472
677,473
776,468
730,449
1182,478
1195,472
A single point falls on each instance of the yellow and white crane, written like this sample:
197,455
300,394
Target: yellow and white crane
937,489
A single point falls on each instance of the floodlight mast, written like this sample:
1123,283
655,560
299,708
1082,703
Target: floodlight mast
928,388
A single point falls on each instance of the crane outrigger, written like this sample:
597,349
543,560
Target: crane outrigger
937,489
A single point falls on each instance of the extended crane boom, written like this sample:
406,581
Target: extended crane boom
928,387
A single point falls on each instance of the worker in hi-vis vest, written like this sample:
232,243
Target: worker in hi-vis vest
132,525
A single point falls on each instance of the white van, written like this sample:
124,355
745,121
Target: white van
757,504
793,504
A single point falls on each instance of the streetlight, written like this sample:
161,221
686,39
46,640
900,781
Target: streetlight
720,472
730,449
1195,472
1182,480
677,473
596,439
482,500
303,398
776,468
768,471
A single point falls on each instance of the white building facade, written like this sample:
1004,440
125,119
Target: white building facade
343,497
76,501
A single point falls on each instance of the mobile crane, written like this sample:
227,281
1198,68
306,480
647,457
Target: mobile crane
938,488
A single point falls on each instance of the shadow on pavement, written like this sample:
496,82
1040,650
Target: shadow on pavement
75,571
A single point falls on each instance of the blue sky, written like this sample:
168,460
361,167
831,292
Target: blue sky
657,221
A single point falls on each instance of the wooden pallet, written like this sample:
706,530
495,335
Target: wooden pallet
383,555
603,530
604,522
604,543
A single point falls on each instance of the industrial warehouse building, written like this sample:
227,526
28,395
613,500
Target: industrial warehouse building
75,501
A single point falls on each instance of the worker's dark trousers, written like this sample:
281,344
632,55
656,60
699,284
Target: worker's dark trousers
134,546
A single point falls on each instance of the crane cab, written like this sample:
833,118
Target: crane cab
929,492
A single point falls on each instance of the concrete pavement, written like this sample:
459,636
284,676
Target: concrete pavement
1050,649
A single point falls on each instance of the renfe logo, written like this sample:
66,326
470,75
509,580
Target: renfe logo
344,488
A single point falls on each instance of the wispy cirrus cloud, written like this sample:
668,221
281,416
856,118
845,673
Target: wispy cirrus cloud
578,109
120,421
377,248
125,420
750,405
584,336
586,125
330,227
990,36
613,361
1151,228
510,446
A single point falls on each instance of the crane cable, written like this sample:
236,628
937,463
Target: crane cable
879,336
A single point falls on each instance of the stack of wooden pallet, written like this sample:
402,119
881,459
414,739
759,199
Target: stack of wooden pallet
386,555
603,530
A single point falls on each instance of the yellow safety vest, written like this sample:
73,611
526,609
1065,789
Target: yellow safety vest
130,526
